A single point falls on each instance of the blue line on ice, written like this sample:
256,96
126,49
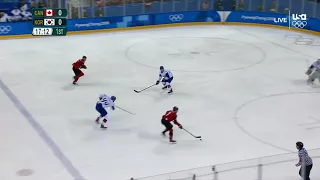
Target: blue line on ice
42,133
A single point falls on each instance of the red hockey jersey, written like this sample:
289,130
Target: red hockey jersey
171,116
79,64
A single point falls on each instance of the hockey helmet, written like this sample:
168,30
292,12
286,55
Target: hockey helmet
299,145
113,98
84,57
175,108
161,68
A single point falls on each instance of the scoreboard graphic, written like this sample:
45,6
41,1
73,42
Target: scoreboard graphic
49,22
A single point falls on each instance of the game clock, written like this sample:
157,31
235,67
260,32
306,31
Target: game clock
42,31
62,31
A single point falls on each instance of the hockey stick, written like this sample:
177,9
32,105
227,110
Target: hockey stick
191,134
125,110
144,89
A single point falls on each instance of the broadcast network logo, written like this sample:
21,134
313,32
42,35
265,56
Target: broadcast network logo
296,20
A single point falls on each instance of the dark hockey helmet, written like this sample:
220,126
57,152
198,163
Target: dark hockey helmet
175,108
161,68
113,98
84,57
299,145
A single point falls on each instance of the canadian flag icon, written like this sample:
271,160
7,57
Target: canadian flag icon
48,12
49,22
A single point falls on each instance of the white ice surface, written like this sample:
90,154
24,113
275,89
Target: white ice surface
217,69
21,148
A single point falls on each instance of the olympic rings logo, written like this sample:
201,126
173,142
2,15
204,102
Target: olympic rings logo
176,17
299,24
302,40
5,29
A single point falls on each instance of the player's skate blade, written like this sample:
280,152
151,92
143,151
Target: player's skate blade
164,87
172,141
170,92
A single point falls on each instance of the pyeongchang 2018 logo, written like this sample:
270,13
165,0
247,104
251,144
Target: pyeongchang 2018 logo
294,20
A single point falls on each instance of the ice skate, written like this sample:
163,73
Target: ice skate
103,127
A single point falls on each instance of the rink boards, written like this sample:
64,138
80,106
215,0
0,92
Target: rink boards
146,21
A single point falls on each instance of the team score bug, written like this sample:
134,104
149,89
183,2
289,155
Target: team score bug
38,22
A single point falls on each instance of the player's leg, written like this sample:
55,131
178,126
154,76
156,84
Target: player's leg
166,124
171,135
308,170
169,85
78,73
164,83
313,76
104,121
98,119
98,109
169,128
74,71
103,114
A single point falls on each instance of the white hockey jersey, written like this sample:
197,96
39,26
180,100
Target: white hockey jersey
316,65
166,74
106,101
5,18
16,12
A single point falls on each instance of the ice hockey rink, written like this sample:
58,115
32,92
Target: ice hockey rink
243,89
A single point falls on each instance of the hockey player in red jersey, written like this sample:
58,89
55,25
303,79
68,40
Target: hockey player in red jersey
76,69
170,115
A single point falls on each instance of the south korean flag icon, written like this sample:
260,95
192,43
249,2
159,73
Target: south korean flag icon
49,22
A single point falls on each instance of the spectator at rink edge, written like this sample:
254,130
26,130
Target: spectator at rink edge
19,11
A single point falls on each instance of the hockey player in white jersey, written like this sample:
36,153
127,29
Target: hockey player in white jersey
314,72
103,103
166,77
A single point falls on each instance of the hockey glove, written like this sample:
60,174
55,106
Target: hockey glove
157,82
163,80
180,127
